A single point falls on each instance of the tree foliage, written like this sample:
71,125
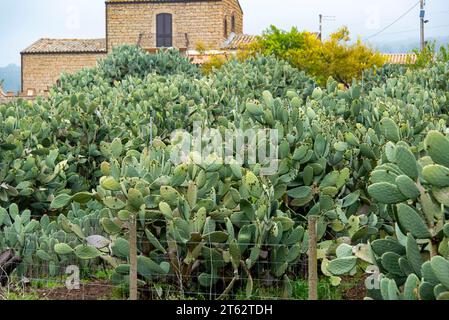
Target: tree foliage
336,57
429,56
214,62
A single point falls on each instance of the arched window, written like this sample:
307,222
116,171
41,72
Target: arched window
225,27
233,23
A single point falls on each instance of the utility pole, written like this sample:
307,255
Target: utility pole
313,259
322,19
422,15
321,27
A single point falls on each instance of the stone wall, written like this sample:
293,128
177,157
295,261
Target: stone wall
5,100
10,97
232,8
202,21
41,71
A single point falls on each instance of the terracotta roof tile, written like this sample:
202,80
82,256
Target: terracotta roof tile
203,58
400,58
67,46
199,59
238,41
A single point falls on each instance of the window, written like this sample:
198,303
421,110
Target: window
164,30
225,27
233,23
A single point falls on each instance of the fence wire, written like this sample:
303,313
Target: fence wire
55,288
96,277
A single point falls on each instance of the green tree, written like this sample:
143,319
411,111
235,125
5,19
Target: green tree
429,56
337,57
280,43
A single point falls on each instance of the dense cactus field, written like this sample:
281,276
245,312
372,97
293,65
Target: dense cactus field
87,170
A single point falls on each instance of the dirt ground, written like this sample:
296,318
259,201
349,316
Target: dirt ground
356,291
97,290
104,290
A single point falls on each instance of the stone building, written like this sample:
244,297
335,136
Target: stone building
45,60
151,24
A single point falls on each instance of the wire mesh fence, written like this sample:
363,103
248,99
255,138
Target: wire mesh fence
99,285
182,276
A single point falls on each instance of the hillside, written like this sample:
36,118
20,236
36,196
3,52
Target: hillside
407,45
11,76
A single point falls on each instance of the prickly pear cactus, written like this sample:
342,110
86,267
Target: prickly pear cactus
80,168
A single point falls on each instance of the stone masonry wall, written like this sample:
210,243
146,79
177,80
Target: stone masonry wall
41,71
231,7
10,97
202,21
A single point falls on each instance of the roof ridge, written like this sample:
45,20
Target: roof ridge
67,45
398,53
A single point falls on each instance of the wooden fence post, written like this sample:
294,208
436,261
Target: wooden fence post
133,257
313,261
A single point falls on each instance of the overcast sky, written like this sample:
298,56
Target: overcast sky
23,22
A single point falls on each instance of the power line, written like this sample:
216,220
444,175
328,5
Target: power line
441,26
437,13
394,22
402,31
415,29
